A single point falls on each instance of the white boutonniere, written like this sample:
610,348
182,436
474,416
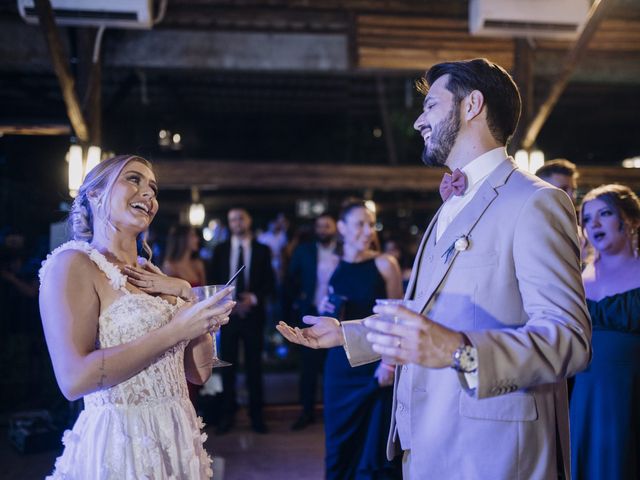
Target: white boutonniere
460,244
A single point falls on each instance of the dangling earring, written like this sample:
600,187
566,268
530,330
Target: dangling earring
634,242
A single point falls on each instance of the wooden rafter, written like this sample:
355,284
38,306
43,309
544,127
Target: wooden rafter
43,129
596,15
523,76
60,65
206,174
225,175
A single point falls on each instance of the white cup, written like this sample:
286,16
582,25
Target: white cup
208,291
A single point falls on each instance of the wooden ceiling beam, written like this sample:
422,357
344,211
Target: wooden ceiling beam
523,76
43,129
61,67
591,177
596,15
243,175
450,7
262,19
213,175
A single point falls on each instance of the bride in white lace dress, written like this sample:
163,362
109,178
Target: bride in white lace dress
120,336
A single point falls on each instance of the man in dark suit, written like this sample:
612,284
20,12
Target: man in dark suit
248,316
308,276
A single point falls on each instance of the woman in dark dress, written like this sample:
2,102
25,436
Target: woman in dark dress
605,404
357,401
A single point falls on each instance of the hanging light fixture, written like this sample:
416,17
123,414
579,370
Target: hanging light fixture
529,161
79,165
94,155
196,210
74,157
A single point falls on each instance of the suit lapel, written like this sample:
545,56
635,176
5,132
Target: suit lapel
462,226
410,292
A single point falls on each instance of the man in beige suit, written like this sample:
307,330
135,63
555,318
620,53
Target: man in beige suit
480,389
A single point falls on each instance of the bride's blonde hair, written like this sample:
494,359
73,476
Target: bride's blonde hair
99,183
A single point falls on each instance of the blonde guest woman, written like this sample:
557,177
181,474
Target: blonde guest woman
121,336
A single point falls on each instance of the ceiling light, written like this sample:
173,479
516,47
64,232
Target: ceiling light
529,161
81,164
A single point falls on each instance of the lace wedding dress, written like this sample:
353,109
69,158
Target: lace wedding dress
144,427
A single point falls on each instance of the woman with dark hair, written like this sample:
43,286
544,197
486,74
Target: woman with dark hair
181,258
605,404
357,401
120,335
181,261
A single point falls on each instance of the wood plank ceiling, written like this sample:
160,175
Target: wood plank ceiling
236,79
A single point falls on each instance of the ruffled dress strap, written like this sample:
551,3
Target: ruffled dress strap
116,278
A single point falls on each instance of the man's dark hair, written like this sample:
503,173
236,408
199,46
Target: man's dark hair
239,207
501,94
561,166
325,215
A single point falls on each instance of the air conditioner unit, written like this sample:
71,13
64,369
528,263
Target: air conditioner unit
557,19
94,13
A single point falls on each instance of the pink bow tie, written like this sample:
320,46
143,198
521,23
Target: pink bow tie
455,184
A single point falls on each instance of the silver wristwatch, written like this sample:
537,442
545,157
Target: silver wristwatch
465,359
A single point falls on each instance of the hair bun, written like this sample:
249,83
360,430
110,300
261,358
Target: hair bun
80,219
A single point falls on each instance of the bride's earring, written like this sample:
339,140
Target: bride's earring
634,243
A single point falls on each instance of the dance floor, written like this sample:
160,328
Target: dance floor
240,454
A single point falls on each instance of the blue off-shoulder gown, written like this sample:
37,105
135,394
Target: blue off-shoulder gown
605,404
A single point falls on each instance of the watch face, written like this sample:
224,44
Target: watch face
465,359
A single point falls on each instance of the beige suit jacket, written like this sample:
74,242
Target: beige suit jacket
516,292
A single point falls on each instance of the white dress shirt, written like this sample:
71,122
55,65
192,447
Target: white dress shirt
233,262
476,172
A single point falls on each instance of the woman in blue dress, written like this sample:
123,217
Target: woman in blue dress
605,404
357,401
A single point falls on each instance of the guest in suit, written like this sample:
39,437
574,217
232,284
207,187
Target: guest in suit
561,173
480,391
253,286
310,269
